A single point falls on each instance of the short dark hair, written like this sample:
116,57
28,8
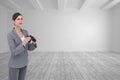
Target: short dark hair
15,15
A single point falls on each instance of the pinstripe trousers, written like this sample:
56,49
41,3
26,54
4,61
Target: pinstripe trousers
17,73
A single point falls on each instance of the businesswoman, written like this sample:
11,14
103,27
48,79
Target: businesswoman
19,42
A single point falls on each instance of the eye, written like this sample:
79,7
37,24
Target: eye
18,18
21,18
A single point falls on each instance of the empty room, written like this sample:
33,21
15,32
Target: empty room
59,40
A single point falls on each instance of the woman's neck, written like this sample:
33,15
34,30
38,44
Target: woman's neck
17,29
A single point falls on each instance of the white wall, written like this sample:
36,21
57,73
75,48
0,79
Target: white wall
116,28
69,31
3,29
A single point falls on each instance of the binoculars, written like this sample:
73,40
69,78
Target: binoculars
32,38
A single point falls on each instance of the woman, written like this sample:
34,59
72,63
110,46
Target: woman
19,42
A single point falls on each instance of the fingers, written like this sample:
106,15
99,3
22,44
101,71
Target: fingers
26,40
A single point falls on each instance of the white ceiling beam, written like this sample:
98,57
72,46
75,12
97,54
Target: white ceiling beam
14,4
85,5
112,4
62,4
40,5
105,4
94,4
37,4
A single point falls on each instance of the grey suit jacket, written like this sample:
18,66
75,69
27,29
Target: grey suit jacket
19,54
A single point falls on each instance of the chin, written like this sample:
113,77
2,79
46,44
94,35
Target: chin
19,26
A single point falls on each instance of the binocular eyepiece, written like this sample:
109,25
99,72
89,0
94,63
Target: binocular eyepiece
32,38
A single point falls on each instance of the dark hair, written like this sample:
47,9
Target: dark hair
15,15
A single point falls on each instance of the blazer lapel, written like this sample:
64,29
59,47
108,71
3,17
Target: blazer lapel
16,35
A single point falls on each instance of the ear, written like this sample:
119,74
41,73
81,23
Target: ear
13,22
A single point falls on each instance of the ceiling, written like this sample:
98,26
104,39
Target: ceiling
57,4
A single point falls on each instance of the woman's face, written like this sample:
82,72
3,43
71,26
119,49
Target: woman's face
18,21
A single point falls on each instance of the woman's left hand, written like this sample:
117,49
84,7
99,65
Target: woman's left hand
34,42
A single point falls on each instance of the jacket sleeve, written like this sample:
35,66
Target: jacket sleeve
15,50
31,46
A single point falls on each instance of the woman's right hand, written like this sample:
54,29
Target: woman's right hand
26,40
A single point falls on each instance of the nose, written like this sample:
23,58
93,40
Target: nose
21,20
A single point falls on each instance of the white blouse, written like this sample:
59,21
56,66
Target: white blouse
23,38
